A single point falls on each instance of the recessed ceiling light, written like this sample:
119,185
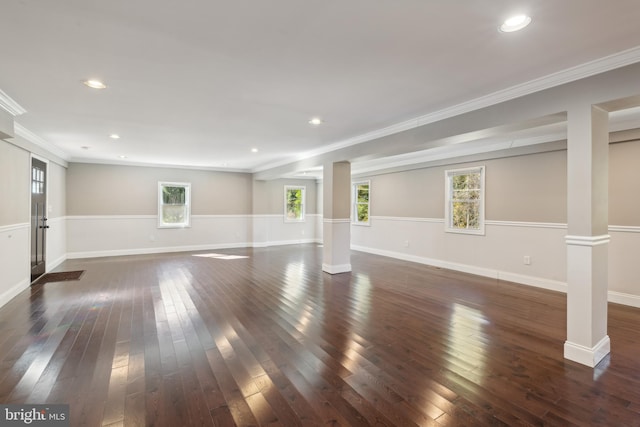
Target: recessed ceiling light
315,121
515,23
123,157
94,84
254,150
114,136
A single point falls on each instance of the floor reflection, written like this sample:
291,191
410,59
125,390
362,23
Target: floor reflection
466,338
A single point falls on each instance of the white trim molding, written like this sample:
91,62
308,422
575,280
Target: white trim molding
585,355
336,269
624,299
408,219
10,105
538,282
624,229
109,217
588,240
601,65
336,220
526,224
13,292
25,133
12,227
147,251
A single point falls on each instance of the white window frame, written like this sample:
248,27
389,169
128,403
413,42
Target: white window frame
187,195
448,191
354,203
303,203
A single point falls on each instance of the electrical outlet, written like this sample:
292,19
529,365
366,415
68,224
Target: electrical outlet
406,243
527,260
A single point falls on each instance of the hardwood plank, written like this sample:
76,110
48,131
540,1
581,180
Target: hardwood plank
268,339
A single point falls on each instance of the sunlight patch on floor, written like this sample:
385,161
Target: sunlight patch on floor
221,256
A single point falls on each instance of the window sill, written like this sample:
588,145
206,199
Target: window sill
464,231
174,226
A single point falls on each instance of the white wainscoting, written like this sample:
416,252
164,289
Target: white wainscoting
96,236
14,256
272,230
624,265
500,252
56,242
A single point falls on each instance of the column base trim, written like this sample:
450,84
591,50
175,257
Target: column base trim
335,269
585,355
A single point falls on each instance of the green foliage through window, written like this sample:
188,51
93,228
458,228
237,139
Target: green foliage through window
465,188
361,202
174,205
294,203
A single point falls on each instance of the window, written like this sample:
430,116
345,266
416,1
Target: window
174,204
37,180
360,212
465,200
294,203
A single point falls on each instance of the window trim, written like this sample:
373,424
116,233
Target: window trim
303,203
448,189
354,204
187,202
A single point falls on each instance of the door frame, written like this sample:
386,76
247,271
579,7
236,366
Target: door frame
46,203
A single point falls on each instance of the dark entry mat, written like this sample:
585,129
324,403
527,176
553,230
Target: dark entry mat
61,276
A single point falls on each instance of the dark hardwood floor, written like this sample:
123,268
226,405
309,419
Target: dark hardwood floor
263,337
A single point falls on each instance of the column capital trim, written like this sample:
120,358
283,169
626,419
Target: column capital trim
603,239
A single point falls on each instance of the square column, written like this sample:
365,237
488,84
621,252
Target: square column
588,239
336,212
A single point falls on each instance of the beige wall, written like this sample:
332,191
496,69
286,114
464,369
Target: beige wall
268,196
529,188
128,190
624,181
57,190
14,184
395,194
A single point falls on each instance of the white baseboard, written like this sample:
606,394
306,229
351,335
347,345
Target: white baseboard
283,243
12,292
553,285
538,282
53,264
479,271
147,251
625,299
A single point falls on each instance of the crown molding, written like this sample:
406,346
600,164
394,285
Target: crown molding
25,133
9,105
116,162
601,65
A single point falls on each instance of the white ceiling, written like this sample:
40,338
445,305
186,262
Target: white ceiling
198,83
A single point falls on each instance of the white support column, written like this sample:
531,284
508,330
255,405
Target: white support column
336,223
588,241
